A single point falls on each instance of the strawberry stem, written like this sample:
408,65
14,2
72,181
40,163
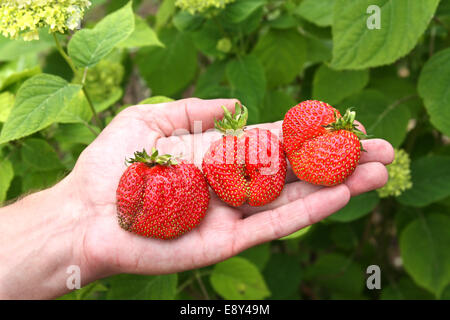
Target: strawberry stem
153,159
233,124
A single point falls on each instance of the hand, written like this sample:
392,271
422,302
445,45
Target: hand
106,249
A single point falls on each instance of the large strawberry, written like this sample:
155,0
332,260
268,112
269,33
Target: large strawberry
245,165
323,147
161,197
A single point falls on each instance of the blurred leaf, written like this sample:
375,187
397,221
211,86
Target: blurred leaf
396,89
11,49
88,292
404,289
238,278
283,276
142,36
75,134
332,86
156,100
424,247
39,103
275,106
88,46
258,255
165,12
357,207
39,155
184,21
381,119
6,105
33,181
207,37
18,70
344,236
435,90
318,12
319,50
287,46
6,176
358,47
138,287
337,273
209,83
240,10
297,234
168,70
431,181
247,81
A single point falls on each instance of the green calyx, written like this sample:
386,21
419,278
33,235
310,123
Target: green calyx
346,122
153,159
233,124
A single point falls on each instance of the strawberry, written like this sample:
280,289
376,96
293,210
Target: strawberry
323,147
161,197
245,165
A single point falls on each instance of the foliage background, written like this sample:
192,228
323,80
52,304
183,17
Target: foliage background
271,55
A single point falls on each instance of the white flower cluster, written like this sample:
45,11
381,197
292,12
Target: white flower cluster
23,18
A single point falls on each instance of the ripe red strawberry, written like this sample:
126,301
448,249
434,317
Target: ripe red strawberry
245,165
322,146
160,197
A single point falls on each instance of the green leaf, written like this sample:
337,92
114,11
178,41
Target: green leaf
238,279
39,102
434,88
39,155
207,37
357,207
430,179
9,48
18,70
142,36
184,21
404,289
75,134
76,111
156,100
6,176
209,83
358,47
240,10
88,46
275,106
283,276
6,105
282,53
319,50
88,292
165,12
137,287
258,255
296,234
424,247
337,273
318,12
381,119
248,82
168,70
333,86
34,181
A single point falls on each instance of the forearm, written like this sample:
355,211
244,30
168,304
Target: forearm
39,240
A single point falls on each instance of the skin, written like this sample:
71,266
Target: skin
74,222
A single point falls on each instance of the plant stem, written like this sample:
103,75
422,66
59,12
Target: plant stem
202,286
74,70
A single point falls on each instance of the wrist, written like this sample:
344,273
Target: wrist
41,238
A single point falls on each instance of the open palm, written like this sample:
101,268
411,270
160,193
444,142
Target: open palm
225,231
